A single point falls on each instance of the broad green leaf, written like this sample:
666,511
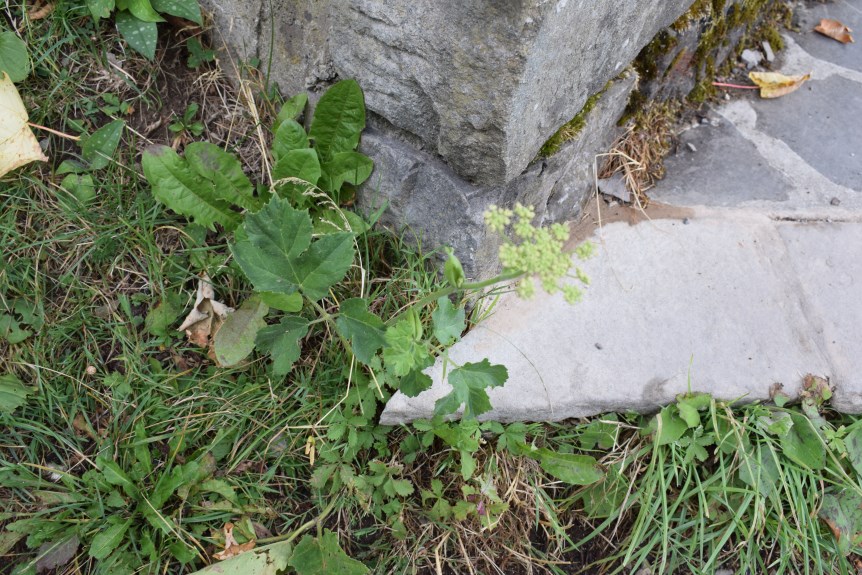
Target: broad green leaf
141,36
108,539
292,109
853,442
234,341
224,170
842,512
99,148
364,329
116,476
151,505
14,59
323,556
606,497
100,8
568,467
269,560
164,315
689,406
80,187
302,164
290,303
197,53
182,552
803,445
601,433
468,388
143,458
184,191
281,341
758,469
11,331
188,9
140,9
448,321
288,137
339,119
405,350
13,393
350,167
667,426
277,254
414,383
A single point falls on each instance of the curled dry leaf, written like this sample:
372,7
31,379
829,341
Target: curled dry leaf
207,316
835,30
18,145
775,85
231,547
41,10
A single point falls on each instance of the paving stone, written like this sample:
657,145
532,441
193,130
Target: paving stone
706,304
847,11
827,262
816,123
726,170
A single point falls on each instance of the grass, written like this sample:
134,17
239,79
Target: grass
279,458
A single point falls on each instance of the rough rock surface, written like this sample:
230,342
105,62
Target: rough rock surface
431,202
750,278
484,83
290,38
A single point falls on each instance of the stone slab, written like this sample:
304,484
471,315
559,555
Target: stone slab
706,304
827,263
724,169
814,122
847,11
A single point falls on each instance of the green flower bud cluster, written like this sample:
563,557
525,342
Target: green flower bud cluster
537,252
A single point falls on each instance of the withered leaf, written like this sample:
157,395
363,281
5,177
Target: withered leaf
207,315
775,85
18,145
834,29
231,547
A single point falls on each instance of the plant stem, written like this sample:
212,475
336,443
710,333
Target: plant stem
288,537
738,86
430,298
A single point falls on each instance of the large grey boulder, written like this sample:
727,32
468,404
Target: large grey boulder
484,83
429,201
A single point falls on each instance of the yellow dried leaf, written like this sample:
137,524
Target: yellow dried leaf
774,85
834,29
18,145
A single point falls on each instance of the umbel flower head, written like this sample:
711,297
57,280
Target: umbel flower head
537,253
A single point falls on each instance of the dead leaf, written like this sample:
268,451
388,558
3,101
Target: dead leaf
231,547
18,145
56,554
835,30
41,10
206,317
774,85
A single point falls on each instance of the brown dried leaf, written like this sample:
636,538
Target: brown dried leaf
835,30
775,85
206,317
40,11
231,547
18,145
